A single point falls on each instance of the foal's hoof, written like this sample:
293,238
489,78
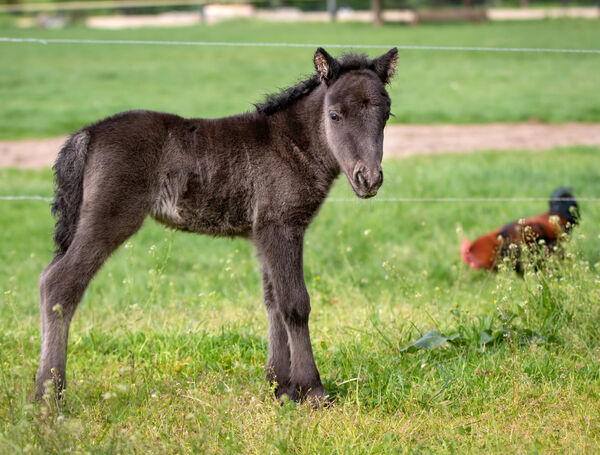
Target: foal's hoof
49,390
317,396
286,392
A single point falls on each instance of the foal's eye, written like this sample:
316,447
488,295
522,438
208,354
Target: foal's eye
334,116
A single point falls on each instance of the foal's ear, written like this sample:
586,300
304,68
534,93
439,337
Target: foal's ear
325,64
385,66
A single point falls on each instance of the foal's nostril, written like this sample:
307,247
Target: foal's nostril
380,181
360,179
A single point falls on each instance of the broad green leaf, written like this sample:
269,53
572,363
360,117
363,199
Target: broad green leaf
485,337
431,340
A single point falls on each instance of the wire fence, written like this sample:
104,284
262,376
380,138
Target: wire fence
465,199
5,39
384,199
26,198
314,45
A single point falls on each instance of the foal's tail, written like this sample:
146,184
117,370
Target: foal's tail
68,171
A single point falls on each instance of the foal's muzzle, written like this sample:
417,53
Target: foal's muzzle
366,182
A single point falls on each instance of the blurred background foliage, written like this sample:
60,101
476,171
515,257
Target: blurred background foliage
320,5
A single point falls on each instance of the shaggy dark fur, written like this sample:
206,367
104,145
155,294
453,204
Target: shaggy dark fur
276,102
262,175
68,171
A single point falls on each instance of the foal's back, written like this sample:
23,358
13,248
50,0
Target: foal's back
190,174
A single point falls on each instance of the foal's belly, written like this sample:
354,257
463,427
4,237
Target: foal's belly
220,210
216,214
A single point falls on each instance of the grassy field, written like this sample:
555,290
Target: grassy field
168,346
55,89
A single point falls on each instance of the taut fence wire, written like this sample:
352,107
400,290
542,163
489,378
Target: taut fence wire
384,199
26,198
298,45
465,199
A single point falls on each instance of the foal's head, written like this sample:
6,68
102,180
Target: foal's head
355,111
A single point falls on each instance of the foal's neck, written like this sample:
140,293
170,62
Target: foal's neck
302,134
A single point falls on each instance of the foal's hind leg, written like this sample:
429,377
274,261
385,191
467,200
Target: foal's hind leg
64,281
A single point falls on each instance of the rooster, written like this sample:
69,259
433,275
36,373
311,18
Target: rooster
545,229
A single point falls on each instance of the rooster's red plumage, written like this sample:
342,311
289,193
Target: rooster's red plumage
488,250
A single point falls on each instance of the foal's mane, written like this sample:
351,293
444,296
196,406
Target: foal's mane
276,102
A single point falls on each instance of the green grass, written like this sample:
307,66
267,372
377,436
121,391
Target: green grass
167,348
55,89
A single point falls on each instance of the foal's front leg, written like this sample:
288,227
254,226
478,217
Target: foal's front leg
280,248
278,365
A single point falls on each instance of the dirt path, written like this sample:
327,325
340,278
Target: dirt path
400,141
